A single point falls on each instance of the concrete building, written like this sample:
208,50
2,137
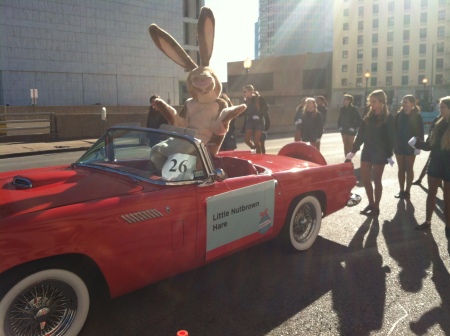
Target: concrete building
401,46
294,27
85,52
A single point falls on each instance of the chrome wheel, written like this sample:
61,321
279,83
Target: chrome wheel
305,223
51,302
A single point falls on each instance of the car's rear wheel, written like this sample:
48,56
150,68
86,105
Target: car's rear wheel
304,222
48,302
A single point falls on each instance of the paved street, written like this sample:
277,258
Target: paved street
361,277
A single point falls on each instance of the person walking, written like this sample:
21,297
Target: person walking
154,120
348,122
438,143
376,132
298,119
255,114
310,123
408,123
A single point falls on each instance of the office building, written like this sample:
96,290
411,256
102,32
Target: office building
401,46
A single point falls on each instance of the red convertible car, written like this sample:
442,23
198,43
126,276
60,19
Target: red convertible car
142,205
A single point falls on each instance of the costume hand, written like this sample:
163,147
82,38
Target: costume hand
351,129
391,162
349,156
412,142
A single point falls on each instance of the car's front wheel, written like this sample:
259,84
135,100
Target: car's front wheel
49,302
304,222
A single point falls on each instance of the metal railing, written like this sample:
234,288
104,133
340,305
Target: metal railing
14,124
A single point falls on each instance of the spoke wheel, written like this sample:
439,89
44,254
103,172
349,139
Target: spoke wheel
50,302
304,223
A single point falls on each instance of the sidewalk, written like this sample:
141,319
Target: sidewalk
17,149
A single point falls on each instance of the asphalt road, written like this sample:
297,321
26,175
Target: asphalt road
361,277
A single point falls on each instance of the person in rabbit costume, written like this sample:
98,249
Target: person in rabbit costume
205,112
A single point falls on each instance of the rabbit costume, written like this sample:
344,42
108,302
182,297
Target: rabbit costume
205,112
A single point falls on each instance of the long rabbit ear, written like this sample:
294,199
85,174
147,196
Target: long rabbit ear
205,32
167,44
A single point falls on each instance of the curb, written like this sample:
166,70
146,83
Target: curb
47,151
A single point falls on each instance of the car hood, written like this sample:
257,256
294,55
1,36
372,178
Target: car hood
47,188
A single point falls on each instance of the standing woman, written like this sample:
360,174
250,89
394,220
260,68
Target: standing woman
408,123
348,122
439,167
322,107
257,111
298,119
310,124
377,134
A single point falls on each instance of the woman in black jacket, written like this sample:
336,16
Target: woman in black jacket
377,134
348,122
310,124
439,167
408,123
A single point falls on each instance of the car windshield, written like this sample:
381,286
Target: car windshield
149,154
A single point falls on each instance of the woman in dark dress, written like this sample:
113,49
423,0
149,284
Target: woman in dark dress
310,124
348,122
439,167
408,123
377,133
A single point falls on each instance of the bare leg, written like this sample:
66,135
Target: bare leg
377,175
263,146
248,138
409,168
348,142
422,174
257,140
433,184
366,173
401,171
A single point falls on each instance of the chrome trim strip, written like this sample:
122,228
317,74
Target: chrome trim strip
141,216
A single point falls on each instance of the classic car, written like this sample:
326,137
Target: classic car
142,205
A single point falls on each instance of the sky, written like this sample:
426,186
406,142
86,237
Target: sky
235,32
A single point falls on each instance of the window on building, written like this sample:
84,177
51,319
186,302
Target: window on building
360,39
390,36
391,6
358,82
440,47
374,52
440,63
373,81
422,48
389,66
361,11
405,80
423,33
374,67
422,64
344,81
360,53
388,80
406,20
345,26
441,14
360,25
375,38
442,2
405,65
375,23
391,21
407,4
389,51
406,50
345,40
344,68
359,68
441,31
406,35
424,3
423,17
345,54
346,11
439,79
375,9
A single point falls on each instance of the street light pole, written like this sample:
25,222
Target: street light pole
247,66
367,75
